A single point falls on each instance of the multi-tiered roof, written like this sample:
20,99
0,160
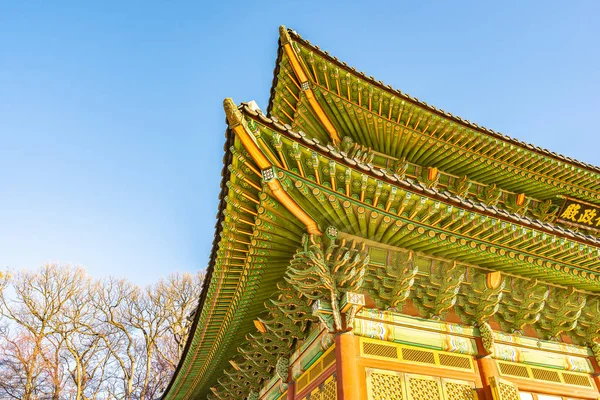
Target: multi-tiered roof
338,148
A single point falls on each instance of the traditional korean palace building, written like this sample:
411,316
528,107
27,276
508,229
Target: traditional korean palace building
372,246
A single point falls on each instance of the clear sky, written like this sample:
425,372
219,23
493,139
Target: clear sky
111,123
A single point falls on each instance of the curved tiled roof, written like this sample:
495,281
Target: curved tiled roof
370,79
418,187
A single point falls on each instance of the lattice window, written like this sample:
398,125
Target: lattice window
545,375
458,390
423,387
576,379
504,390
421,356
455,361
391,385
386,386
373,348
329,390
380,350
513,370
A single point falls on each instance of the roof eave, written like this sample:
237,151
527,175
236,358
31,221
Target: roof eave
225,174
413,100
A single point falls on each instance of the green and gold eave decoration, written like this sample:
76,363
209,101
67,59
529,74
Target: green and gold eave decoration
399,127
388,208
393,279
255,239
543,207
490,195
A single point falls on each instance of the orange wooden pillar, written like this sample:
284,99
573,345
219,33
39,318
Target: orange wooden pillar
487,369
347,370
596,374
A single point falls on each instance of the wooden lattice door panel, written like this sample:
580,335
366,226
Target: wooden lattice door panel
504,390
458,390
423,387
385,385
390,385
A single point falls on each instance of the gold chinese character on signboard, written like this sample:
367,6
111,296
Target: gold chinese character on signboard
588,216
571,212
576,212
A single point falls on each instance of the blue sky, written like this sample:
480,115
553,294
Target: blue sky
111,124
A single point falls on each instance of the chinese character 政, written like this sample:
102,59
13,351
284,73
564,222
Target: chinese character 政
588,216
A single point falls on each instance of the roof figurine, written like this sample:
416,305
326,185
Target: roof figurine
234,116
284,36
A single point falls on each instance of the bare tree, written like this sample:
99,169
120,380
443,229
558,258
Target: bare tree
79,330
182,292
66,336
20,366
160,315
147,316
55,369
112,299
36,302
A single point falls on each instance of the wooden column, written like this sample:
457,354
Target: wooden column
291,391
487,369
347,371
596,374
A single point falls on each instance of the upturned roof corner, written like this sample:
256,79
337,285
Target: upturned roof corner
284,36
265,160
233,114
